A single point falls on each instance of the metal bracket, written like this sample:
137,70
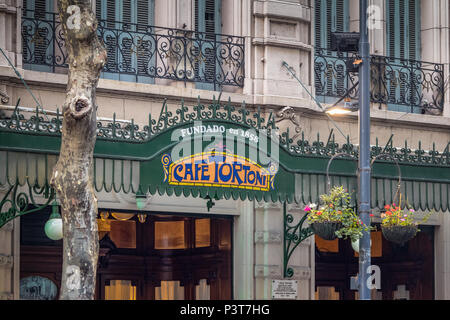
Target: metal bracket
293,236
16,204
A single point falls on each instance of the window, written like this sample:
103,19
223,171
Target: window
169,235
327,293
202,290
38,30
403,29
327,245
403,44
120,290
202,233
123,234
208,24
169,290
331,79
124,26
330,16
37,288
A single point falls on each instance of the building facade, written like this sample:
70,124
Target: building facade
163,55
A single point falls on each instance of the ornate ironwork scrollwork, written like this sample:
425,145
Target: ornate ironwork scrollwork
15,203
141,52
418,85
293,236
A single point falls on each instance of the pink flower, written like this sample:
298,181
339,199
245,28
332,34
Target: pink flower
307,209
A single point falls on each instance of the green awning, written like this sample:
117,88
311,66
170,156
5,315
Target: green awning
129,159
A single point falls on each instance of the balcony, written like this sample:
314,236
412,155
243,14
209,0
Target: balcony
140,53
399,84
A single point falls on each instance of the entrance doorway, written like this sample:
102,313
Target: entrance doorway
150,257
407,272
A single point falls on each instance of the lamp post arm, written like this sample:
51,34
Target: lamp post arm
289,68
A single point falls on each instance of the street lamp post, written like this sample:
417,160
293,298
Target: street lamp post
364,152
364,141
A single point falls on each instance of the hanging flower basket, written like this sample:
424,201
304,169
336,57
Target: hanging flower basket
399,225
335,218
399,234
327,229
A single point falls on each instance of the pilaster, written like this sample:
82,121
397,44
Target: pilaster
10,39
282,32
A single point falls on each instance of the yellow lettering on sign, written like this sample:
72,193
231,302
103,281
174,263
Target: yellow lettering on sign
217,169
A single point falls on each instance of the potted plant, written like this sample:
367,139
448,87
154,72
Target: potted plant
335,218
398,225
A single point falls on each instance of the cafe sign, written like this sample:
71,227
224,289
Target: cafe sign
217,169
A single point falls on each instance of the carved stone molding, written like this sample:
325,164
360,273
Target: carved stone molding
4,98
6,260
6,296
268,271
289,113
267,237
295,207
268,205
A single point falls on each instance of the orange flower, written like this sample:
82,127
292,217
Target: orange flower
339,212
388,213
331,205
387,207
319,213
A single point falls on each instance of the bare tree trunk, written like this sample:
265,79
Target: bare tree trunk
72,176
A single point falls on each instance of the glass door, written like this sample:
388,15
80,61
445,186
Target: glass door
165,257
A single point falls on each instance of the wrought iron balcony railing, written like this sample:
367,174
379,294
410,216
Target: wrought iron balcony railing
140,53
401,84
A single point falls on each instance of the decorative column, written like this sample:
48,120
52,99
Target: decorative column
268,247
270,256
244,251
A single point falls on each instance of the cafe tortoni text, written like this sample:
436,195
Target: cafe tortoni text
217,169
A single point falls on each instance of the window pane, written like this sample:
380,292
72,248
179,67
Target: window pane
327,293
169,235
169,290
202,290
327,245
123,234
120,290
376,248
202,233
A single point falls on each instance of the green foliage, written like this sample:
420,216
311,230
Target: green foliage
335,207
